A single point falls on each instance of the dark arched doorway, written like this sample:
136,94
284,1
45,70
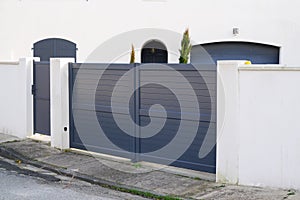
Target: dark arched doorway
154,51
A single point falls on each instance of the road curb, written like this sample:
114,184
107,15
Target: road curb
14,155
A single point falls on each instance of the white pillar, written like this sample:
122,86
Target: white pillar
27,65
227,121
59,102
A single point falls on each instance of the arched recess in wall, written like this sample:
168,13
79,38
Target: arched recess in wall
154,51
257,53
54,48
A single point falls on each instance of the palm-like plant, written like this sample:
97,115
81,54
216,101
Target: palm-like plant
132,55
185,47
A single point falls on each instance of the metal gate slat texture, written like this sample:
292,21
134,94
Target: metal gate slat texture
41,96
146,112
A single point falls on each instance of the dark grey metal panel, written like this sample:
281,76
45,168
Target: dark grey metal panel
42,97
92,87
202,82
53,48
190,158
255,52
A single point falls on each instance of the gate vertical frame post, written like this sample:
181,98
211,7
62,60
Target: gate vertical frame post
71,122
137,132
132,111
33,96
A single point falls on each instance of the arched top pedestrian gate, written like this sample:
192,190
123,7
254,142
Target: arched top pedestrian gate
53,48
46,49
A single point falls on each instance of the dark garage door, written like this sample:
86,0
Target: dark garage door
255,52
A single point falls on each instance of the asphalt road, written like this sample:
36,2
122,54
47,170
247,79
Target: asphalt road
16,183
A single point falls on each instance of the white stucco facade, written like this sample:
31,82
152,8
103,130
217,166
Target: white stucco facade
89,23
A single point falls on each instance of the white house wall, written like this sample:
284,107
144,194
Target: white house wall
89,23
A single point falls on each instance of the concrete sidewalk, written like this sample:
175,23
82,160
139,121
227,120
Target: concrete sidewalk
139,178
7,138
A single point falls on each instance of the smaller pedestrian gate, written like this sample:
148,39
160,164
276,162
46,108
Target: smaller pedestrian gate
46,49
41,97
163,113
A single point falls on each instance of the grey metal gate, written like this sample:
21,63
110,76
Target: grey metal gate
54,48
105,112
41,94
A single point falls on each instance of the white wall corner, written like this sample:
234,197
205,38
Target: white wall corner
227,169
59,102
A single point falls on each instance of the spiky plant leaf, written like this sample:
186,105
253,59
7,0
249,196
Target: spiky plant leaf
132,55
185,47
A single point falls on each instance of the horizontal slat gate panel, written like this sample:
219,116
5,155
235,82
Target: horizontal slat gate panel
94,84
91,104
199,84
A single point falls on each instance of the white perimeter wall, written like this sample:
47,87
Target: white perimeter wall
91,22
258,125
16,107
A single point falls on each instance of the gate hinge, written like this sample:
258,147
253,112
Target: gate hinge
33,89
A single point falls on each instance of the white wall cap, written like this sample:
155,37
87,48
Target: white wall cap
9,62
267,68
230,62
